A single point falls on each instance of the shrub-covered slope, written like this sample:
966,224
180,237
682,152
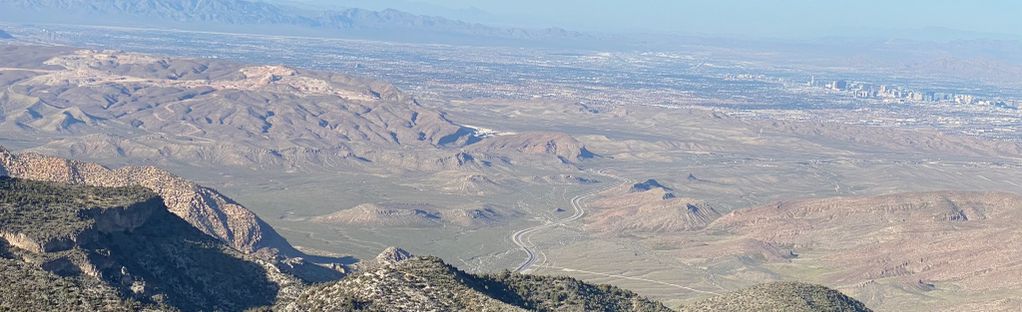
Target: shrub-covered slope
780,297
429,284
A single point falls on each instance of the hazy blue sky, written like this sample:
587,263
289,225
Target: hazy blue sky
774,18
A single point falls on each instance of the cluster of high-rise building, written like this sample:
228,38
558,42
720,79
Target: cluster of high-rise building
895,93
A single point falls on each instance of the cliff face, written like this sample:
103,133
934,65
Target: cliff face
123,219
202,207
101,221
94,242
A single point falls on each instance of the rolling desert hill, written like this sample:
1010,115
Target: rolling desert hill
648,207
107,105
414,215
889,249
463,182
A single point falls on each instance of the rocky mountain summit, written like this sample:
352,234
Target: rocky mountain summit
392,255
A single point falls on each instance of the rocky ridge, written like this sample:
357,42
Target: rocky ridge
205,208
120,249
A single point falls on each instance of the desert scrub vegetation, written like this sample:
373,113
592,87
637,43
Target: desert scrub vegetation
45,210
427,283
26,288
780,297
558,293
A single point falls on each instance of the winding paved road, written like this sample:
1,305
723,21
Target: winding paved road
522,238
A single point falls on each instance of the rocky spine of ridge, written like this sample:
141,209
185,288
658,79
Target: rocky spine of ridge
392,255
202,207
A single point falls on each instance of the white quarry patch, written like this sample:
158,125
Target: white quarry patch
487,132
81,69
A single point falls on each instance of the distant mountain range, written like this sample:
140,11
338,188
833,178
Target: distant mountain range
5,35
266,18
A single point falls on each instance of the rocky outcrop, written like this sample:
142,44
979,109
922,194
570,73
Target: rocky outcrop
103,221
392,255
204,208
648,185
124,238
